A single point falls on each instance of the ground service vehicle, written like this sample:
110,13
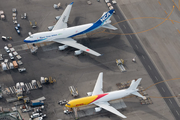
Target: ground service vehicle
36,102
15,64
33,24
17,30
11,56
35,115
1,57
6,49
22,69
73,91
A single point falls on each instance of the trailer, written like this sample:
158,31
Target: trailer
120,65
73,91
12,99
39,84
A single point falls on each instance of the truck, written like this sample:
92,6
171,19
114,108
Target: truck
47,80
15,64
36,103
114,1
2,15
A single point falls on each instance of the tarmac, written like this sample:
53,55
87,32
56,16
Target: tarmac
81,71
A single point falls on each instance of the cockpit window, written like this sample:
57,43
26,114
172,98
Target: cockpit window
68,104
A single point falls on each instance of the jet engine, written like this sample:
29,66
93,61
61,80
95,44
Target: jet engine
78,52
89,93
50,28
98,109
63,47
57,17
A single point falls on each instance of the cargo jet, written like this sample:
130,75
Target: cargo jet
62,34
100,99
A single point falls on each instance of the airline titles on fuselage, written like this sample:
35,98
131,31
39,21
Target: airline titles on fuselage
50,36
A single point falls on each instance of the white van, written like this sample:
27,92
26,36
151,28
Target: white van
11,56
6,49
35,115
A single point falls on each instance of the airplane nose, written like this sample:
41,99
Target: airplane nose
25,40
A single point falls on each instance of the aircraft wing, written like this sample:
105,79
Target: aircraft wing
99,85
62,22
71,42
106,106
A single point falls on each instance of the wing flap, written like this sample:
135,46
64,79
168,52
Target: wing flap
106,106
99,85
71,42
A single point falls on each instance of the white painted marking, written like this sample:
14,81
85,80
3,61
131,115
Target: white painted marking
136,46
118,17
177,112
170,101
163,89
156,78
124,26
149,67
130,36
143,56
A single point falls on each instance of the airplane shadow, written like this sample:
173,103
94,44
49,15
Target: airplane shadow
75,22
136,107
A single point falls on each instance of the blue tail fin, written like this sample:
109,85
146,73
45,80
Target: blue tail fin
105,17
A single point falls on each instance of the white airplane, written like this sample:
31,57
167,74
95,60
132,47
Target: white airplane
61,34
100,99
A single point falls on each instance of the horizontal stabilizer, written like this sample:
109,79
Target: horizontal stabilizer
109,26
139,95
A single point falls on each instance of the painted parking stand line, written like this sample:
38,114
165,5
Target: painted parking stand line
170,101
177,112
143,57
136,46
156,78
124,26
130,36
149,67
163,89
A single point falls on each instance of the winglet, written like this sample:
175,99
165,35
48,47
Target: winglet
71,3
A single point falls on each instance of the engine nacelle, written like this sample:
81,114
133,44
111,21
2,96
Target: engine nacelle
57,17
98,109
50,28
78,52
63,47
89,93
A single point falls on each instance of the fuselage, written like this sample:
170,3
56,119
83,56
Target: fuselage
99,98
61,33
68,32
